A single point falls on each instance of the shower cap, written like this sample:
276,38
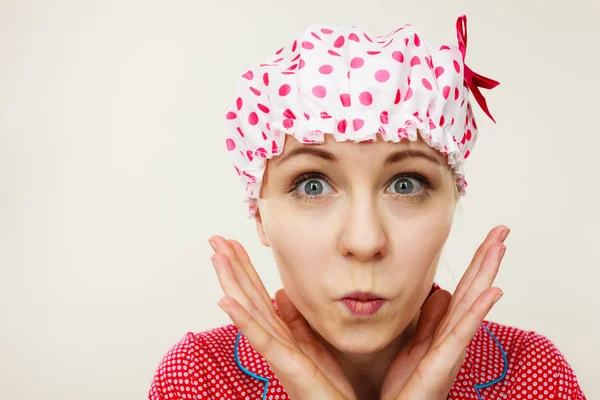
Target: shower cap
339,80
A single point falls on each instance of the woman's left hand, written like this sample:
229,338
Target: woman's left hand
425,369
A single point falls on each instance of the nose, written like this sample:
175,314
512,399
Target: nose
363,233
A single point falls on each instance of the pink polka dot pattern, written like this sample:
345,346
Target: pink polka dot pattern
202,366
416,83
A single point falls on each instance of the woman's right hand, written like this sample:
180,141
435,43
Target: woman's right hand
301,362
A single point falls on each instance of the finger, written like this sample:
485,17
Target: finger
300,376
311,345
498,234
252,292
455,344
296,322
293,318
406,361
482,281
435,375
280,356
432,313
244,259
232,289
256,292
257,335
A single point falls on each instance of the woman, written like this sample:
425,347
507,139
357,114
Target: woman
357,218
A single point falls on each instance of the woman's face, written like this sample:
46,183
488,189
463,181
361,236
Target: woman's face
345,216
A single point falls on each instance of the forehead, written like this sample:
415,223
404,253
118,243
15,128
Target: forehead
351,150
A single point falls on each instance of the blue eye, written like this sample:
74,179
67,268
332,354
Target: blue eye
406,185
314,187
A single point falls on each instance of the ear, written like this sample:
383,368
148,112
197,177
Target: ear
261,229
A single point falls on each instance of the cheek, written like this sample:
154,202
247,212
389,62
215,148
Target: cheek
299,247
417,242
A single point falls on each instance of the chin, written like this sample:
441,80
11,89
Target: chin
361,339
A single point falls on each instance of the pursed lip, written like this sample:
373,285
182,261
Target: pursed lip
362,296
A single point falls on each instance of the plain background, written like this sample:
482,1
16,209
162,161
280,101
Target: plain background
114,173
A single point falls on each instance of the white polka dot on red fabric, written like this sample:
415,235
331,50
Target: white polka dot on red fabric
202,366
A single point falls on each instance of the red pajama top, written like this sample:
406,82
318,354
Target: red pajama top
502,362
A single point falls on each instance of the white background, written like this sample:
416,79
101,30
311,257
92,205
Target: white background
114,173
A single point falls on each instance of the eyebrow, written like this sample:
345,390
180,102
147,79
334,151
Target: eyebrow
327,156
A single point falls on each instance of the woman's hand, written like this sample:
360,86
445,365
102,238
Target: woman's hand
303,365
427,367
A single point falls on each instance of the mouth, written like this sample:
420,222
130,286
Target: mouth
362,304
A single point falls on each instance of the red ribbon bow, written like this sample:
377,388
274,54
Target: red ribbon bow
473,80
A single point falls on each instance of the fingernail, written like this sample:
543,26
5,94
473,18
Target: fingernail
502,251
498,296
223,305
504,234
214,263
212,244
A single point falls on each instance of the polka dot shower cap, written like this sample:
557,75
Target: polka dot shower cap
336,79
